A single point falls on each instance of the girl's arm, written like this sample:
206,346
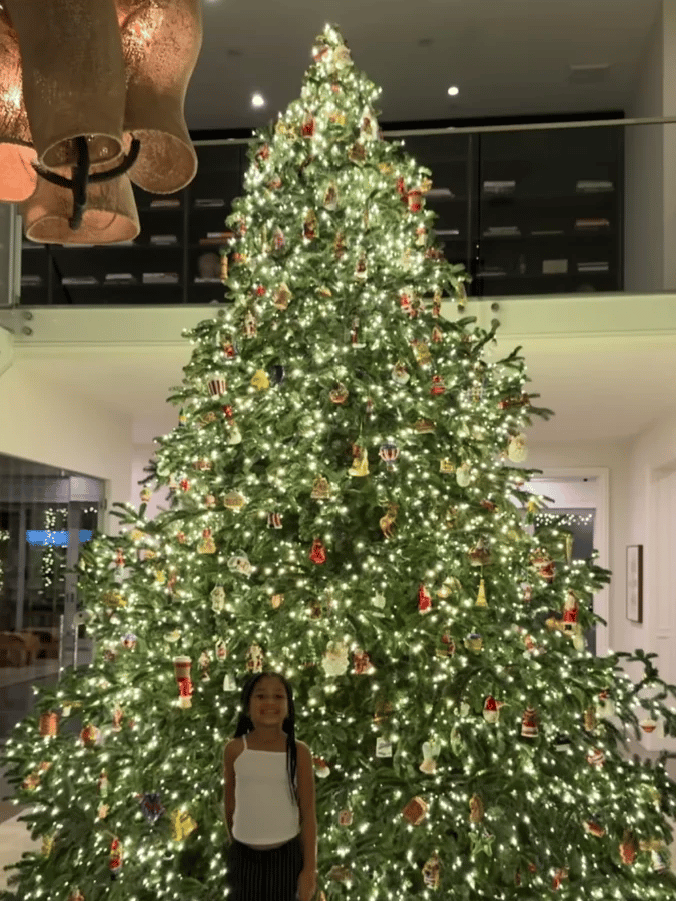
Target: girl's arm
306,805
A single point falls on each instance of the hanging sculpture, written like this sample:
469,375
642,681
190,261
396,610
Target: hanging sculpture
91,99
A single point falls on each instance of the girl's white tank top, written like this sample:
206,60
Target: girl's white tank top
265,812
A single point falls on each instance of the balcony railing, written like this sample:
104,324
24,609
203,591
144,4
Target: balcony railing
529,210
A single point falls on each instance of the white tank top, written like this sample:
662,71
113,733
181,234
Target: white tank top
265,812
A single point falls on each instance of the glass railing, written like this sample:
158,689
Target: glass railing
529,210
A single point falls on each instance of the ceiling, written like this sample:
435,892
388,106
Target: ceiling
508,57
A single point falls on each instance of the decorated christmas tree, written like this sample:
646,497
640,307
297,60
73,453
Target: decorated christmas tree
345,508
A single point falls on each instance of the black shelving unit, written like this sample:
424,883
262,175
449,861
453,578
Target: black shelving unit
542,229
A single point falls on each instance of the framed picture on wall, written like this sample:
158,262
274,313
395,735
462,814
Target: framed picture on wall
635,583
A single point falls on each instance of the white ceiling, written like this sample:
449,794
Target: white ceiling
508,57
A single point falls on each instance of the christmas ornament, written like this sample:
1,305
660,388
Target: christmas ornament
415,811
431,750
234,434
628,848
310,225
321,767
474,642
330,201
447,648
152,807
362,663
239,563
146,494
229,683
282,296
596,758
103,784
182,825
543,565
463,475
307,128
221,650
260,380
250,324
320,489
234,500
318,552
415,200
438,386
254,659
115,862
339,245
274,520
360,464
49,724
361,269
491,710
223,266
76,895
379,601
437,335
387,521
481,596
400,374
384,748
48,844
345,818
648,725
424,600
517,450
207,545
335,660
339,394
357,153
217,387
604,706
476,809
118,716
446,466
203,663
449,585
354,334
479,555
389,452
218,599
229,348
424,426
529,723
277,600
431,872
90,736
422,353
182,666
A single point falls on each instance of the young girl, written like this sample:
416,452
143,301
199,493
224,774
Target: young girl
270,799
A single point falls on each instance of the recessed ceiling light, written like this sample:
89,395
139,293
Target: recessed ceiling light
257,100
453,91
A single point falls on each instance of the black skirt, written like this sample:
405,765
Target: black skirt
258,875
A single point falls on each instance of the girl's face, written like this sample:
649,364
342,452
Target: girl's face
268,705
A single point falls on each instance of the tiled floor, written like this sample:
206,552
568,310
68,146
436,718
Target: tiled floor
14,840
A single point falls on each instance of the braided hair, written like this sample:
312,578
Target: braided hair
244,724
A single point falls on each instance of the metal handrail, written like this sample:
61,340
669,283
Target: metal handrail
482,129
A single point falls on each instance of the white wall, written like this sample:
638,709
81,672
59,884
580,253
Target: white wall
644,172
41,423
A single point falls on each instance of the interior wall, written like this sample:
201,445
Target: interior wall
41,423
644,171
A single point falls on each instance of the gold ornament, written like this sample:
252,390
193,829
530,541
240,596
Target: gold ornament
260,381
360,465
320,489
481,597
182,825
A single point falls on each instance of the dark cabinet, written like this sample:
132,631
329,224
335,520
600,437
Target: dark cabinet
528,212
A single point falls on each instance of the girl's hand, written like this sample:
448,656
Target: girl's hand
307,885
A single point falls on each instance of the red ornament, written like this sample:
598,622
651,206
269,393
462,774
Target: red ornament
229,412
260,290
414,199
185,687
424,600
529,724
401,188
362,662
308,126
115,858
318,552
185,484
438,386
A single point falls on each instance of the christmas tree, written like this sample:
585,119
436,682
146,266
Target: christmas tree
344,509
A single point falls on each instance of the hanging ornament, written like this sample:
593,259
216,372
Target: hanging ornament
369,125
628,848
260,380
424,600
463,475
318,552
335,660
354,334
414,199
278,239
357,153
389,453
362,663
254,659
182,825
115,862
229,683
431,872
379,601
49,724
400,374
217,387
384,748
558,878
239,563
234,434
424,426
229,348
529,723
282,296
337,117
593,827
387,521
437,335
446,466
182,666
360,464
596,758
449,586
151,807
310,225
438,386
422,353
415,811
476,809
339,394
421,236
203,663
517,450
543,565
474,641
339,245
345,818
479,555
569,541
234,500
307,129
274,520
590,719
262,153
361,269
90,736
604,706
207,545
76,895
250,324
321,489
48,844
330,201
431,750
491,710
